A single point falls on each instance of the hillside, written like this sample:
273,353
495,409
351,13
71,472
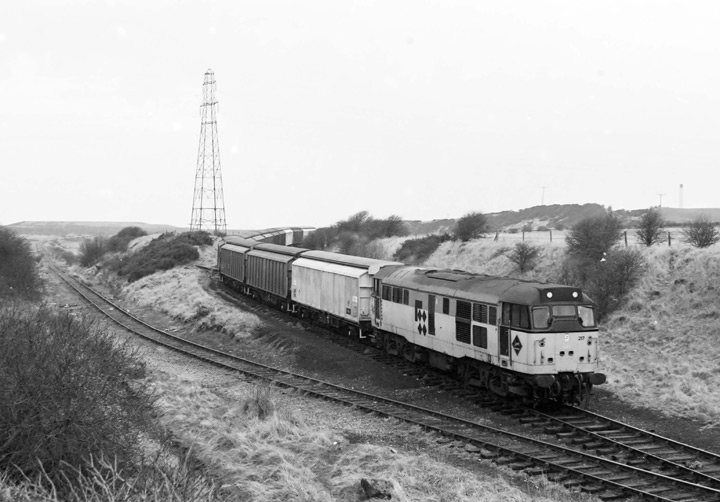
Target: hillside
555,216
558,216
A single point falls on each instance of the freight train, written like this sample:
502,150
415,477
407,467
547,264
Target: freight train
514,337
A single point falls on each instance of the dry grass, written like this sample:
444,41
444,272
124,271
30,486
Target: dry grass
273,455
661,350
178,292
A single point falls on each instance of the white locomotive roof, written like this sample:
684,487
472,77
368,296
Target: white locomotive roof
482,288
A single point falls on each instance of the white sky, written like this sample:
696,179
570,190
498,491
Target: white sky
424,109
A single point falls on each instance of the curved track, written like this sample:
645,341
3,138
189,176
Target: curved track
607,478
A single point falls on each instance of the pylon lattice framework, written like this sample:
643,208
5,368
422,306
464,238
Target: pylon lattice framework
208,212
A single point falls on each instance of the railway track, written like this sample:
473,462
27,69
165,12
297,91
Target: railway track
572,466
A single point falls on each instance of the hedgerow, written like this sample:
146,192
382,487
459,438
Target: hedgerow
19,278
416,251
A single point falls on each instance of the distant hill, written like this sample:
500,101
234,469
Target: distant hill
91,228
558,216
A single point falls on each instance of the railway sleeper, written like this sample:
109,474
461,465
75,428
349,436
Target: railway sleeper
595,445
521,466
592,489
612,496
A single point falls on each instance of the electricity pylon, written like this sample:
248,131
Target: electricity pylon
208,212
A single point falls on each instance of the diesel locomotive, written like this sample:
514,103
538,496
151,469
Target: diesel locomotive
530,339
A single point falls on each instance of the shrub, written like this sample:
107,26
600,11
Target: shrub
165,252
650,228
19,276
92,250
416,251
471,226
67,393
593,237
607,281
524,256
119,243
701,232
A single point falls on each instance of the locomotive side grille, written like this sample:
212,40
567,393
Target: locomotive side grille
463,310
462,331
480,336
480,313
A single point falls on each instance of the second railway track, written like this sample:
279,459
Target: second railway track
595,472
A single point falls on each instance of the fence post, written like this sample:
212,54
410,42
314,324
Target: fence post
625,232
669,240
550,234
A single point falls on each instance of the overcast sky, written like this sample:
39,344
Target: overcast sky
423,109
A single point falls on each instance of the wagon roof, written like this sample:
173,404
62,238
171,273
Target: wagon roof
240,241
343,259
278,249
477,287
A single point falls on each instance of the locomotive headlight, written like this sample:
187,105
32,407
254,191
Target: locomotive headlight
549,294
575,294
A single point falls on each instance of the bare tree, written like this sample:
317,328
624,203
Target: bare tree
471,226
701,232
524,256
651,226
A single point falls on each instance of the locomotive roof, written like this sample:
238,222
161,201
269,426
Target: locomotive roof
482,288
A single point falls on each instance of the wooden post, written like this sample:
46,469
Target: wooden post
550,234
669,240
625,232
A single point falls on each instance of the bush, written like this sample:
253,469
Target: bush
416,251
593,237
165,252
471,226
650,228
354,235
92,250
701,232
67,393
19,276
119,243
607,281
524,256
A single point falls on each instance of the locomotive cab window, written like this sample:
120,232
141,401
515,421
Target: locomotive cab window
564,311
541,317
515,315
587,316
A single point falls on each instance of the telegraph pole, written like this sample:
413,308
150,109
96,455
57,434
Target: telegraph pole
208,212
